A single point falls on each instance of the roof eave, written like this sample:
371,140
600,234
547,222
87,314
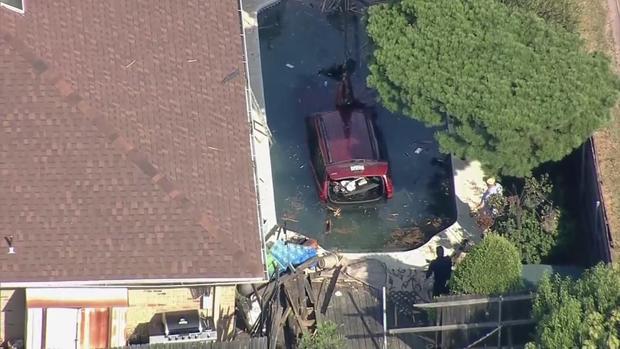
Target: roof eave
133,283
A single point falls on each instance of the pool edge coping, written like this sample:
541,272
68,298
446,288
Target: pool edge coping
260,135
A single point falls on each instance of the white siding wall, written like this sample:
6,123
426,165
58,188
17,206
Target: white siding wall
35,326
61,328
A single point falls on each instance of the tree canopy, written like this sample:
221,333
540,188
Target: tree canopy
517,91
582,313
491,267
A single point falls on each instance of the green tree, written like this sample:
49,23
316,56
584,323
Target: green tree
515,90
564,13
491,267
325,337
582,313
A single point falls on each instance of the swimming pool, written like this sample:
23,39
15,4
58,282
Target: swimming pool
297,40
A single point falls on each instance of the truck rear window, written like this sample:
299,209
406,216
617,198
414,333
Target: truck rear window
358,189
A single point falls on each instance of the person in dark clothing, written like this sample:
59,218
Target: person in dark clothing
337,71
441,268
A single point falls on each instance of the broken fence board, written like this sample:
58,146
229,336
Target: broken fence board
294,307
310,292
330,289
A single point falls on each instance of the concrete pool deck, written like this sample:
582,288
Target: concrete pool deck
261,135
468,176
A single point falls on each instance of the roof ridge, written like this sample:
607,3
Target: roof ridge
70,96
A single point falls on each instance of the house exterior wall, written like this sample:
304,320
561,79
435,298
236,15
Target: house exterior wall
144,303
94,328
12,314
81,328
224,311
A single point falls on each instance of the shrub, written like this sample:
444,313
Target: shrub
325,337
492,267
533,222
582,313
528,235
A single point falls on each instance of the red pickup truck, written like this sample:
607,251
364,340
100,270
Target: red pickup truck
346,159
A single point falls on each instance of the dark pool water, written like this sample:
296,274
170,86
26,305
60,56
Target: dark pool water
297,40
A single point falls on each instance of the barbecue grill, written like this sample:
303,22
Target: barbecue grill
180,326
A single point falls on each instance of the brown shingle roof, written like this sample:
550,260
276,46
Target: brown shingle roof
124,142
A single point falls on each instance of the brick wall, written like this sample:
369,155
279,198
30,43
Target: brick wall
224,311
143,304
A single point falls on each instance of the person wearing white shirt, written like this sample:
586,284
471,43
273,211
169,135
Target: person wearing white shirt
493,188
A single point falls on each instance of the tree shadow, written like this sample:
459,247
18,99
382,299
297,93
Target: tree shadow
270,20
224,325
140,334
14,317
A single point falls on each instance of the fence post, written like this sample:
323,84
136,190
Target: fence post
499,323
384,321
597,214
582,180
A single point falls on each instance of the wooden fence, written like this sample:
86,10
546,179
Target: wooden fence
251,343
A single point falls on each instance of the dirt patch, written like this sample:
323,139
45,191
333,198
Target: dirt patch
594,26
414,236
599,20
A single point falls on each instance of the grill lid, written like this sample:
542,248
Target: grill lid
181,322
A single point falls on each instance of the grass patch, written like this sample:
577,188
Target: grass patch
596,32
594,27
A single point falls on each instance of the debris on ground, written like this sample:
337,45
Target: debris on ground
407,238
285,307
414,236
322,288
335,210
